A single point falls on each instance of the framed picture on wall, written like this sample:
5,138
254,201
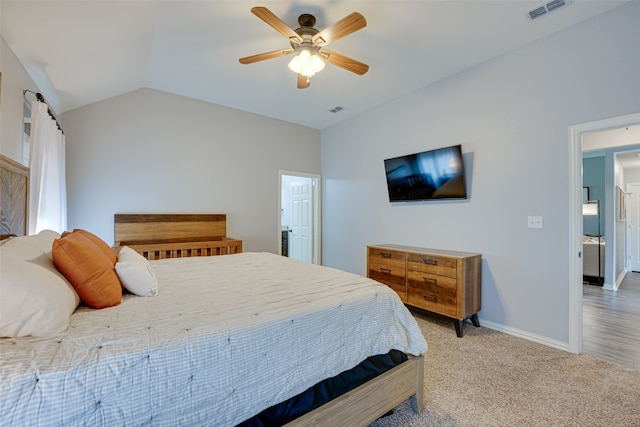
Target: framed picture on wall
621,213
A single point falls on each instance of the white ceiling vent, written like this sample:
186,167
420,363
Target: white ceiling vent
546,8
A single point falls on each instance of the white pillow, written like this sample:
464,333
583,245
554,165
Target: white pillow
35,299
135,273
43,240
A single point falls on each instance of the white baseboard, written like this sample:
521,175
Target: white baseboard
619,279
524,334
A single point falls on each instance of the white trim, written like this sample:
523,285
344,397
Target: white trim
524,334
317,217
575,242
575,223
619,280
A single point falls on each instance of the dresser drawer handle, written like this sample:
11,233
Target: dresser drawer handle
427,296
385,270
429,279
385,254
430,261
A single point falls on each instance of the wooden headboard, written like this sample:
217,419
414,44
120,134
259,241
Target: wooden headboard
157,236
14,197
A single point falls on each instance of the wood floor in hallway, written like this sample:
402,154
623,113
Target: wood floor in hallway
611,322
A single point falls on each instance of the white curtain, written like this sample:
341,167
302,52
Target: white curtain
48,186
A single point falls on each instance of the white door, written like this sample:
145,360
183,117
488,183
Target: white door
633,226
301,230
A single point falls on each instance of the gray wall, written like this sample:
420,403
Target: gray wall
152,152
593,176
512,116
14,80
149,151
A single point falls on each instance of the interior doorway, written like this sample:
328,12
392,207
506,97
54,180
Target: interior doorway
575,221
299,216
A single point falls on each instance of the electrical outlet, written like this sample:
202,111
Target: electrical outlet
534,222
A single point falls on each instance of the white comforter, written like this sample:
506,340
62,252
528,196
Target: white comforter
258,330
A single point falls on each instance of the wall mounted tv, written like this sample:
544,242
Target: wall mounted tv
433,174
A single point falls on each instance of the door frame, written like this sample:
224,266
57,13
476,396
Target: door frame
575,218
317,211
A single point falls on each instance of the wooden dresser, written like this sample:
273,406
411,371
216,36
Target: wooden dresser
443,282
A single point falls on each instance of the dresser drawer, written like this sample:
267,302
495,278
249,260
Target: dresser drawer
432,264
394,277
387,257
433,293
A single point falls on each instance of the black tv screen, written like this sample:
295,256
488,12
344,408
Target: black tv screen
433,174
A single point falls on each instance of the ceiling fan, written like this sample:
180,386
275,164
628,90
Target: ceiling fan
308,44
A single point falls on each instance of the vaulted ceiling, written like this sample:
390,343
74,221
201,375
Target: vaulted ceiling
80,52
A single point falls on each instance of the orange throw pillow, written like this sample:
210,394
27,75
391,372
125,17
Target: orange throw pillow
101,244
88,269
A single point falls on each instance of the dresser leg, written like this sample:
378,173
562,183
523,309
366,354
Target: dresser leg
475,321
458,324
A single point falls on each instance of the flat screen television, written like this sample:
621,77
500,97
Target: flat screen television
433,174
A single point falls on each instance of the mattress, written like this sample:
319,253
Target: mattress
225,338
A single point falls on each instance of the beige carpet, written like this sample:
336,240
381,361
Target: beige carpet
488,378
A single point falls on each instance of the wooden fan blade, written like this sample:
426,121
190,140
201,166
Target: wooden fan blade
303,82
266,55
342,28
345,62
271,19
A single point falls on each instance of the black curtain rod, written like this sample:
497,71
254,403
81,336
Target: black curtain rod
40,98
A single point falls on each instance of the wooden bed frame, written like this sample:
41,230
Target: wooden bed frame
365,404
14,197
159,236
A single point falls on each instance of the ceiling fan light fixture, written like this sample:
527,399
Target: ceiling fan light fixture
306,63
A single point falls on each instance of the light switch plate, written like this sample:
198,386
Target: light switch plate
534,222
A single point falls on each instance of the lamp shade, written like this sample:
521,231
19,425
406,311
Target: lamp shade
590,209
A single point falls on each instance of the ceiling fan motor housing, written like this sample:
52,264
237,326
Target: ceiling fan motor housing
306,32
306,20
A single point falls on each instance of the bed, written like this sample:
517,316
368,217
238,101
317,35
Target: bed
226,339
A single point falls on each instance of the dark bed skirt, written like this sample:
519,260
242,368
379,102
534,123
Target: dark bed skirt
325,391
